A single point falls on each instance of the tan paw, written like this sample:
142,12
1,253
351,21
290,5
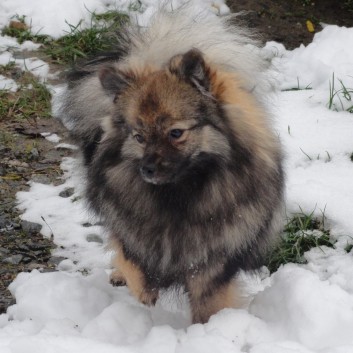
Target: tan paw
149,297
117,279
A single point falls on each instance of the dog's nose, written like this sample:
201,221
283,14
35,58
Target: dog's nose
148,170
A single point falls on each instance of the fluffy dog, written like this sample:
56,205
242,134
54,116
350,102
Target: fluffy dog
182,164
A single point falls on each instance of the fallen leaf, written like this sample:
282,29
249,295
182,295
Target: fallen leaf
310,26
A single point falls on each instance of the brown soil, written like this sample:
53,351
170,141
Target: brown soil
26,155
285,21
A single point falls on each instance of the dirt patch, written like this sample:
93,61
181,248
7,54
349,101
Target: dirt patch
286,21
25,155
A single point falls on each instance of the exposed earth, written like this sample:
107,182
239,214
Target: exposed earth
26,155
286,21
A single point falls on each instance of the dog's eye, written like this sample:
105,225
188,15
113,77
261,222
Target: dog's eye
139,138
176,133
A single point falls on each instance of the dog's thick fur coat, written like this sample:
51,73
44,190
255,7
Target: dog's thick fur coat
182,164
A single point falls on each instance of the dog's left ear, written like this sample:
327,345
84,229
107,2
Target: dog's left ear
114,81
192,68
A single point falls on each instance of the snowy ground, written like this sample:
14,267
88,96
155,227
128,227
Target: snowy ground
299,309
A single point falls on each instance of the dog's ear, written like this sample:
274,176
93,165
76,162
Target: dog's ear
114,81
192,68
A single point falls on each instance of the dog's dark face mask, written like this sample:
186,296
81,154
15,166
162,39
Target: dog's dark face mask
171,119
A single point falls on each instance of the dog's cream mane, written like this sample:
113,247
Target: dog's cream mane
225,45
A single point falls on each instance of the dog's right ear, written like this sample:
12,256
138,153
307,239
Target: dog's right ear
114,81
192,68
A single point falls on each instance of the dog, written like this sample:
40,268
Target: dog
182,163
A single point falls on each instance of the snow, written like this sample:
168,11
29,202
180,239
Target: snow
314,66
53,18
7,84
299,309
318,145
51,137
36,66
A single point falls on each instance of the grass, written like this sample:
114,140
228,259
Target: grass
24,33
7,139
78,42
306,2
82,43
31,100
298,88
343,95
301,233
348,5
327,158
8,69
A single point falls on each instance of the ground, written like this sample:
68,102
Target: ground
286,21
26,155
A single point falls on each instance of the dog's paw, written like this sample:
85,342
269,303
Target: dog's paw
149,297
117,279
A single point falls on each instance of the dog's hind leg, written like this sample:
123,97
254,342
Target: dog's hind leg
206,298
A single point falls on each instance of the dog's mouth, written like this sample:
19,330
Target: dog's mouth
158,174
157,178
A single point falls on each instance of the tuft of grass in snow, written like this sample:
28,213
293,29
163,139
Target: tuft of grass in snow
6,70
341,98
301,233
298,88
31,100
79,42
327,158
111,18
22,32
82,43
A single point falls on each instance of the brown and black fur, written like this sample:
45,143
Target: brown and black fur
185,171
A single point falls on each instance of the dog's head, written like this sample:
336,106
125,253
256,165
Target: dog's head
170,116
